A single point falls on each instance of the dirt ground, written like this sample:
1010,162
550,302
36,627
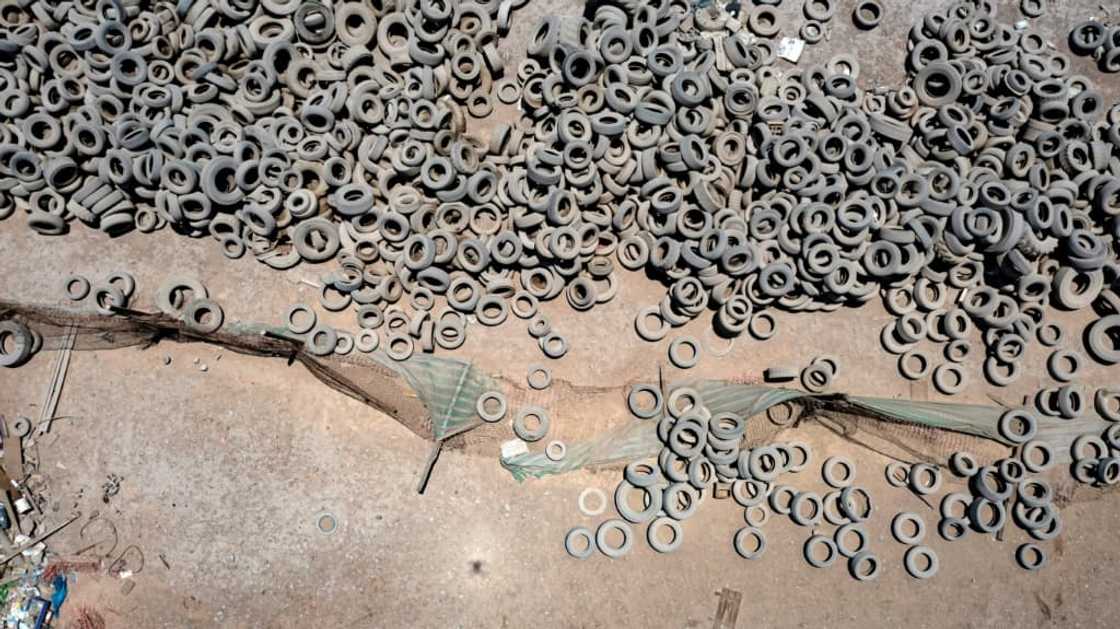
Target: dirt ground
225,471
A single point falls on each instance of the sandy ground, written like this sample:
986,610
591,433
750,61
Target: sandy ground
226,470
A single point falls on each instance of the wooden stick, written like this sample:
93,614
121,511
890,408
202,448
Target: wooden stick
55,390
433,456
41,538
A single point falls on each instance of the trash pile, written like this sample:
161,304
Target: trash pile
34,578
31,591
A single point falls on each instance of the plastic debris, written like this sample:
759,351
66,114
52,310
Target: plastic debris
59,594
790,49
514,447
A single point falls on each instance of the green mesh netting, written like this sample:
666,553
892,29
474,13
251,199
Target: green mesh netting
435,397
920,430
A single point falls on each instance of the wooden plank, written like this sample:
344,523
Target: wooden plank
13,451
727,612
